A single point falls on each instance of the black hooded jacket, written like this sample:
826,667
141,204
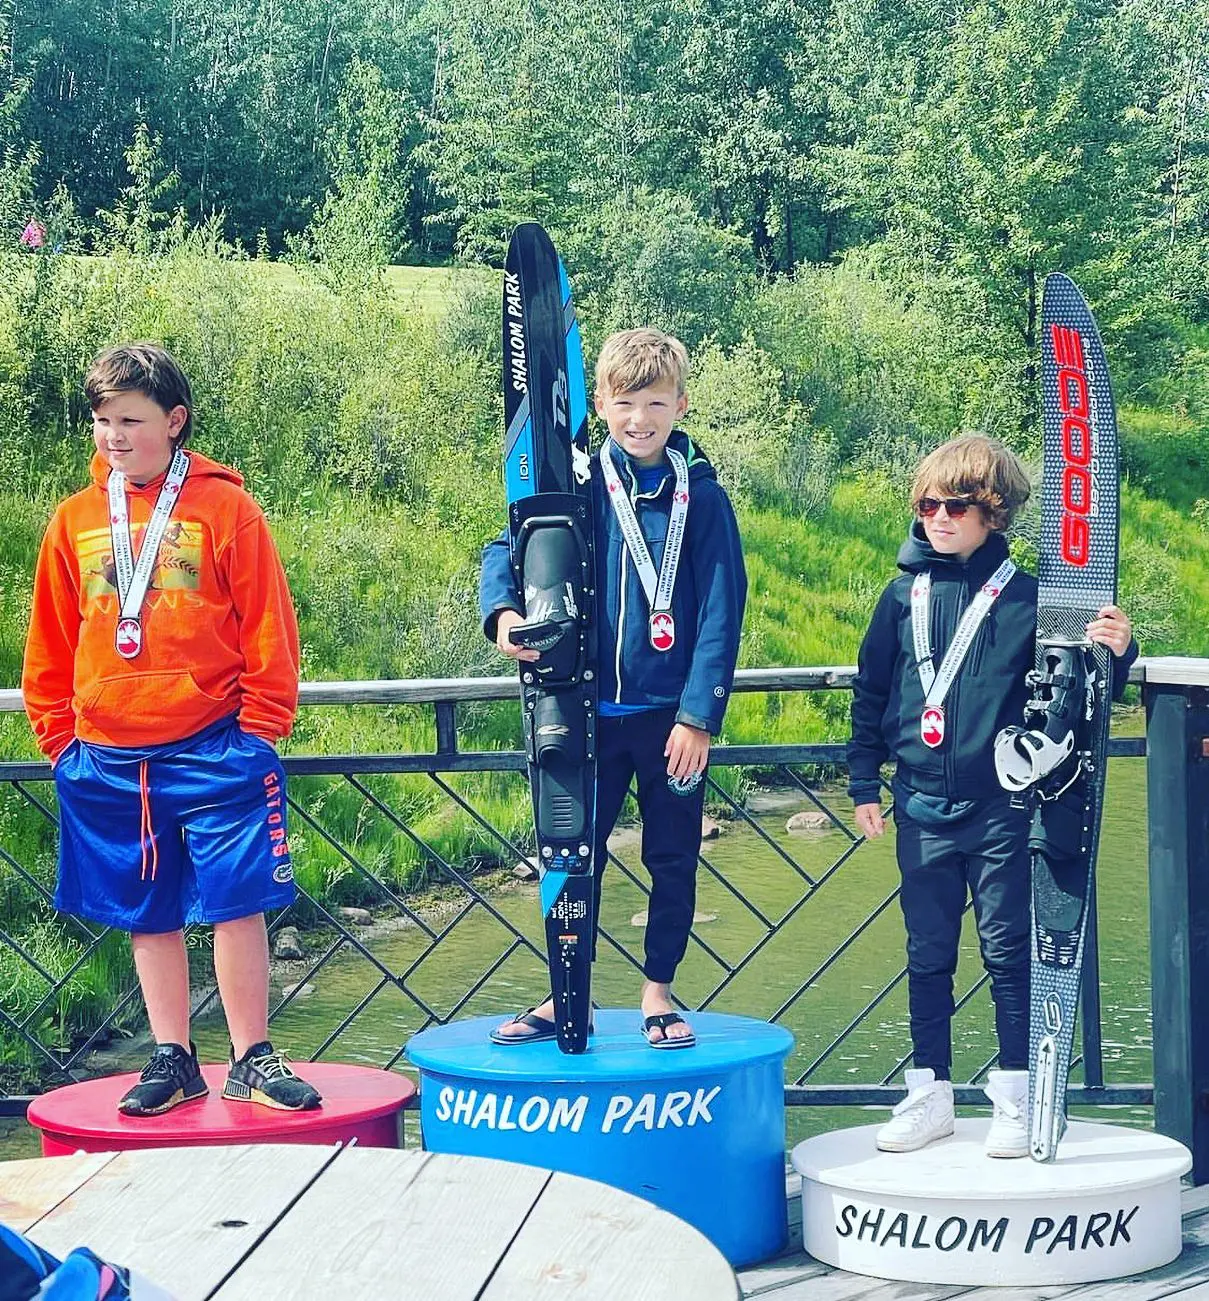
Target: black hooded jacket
989,692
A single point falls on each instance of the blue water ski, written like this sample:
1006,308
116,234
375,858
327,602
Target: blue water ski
547,472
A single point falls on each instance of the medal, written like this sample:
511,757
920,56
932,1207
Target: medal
936,684
662,631
133,575
128,639
656,587
685,785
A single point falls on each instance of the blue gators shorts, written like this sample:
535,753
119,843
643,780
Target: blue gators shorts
156,837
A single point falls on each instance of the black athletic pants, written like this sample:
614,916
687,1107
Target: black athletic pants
986,854
628,747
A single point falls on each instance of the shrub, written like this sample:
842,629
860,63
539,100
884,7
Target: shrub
889,378
649,259
762,443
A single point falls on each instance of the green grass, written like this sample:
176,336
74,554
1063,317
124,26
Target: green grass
1165,454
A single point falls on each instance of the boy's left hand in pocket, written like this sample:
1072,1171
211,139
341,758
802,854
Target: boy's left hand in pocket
687,751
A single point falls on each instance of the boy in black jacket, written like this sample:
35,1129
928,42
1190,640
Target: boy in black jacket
956,828
665,675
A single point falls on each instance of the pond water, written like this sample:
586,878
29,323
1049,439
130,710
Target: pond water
791,965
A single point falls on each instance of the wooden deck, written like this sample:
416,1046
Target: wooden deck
303,1221
268,1223
795,1276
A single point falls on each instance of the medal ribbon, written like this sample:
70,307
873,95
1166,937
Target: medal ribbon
134,577
936,685
658,590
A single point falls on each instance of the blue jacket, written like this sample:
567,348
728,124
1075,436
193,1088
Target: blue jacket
694,677
989,692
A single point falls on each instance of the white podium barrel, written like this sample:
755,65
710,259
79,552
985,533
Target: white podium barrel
1108,1207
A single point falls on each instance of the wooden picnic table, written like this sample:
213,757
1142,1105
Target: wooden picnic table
302,1221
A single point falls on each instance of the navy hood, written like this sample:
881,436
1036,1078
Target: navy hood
700,468
917,554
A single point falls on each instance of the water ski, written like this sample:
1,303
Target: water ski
548,480
1055,762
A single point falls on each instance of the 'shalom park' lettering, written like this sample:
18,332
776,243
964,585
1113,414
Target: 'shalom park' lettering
921,1232
622,1113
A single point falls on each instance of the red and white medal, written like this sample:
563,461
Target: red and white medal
663,631
932,726
133,577
658,588
128,640
936,684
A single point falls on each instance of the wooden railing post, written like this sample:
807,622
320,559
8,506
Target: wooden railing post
1176,693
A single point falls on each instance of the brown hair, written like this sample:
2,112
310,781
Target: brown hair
979,468
634,359
141,368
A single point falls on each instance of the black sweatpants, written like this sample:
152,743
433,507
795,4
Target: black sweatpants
631,746
986,854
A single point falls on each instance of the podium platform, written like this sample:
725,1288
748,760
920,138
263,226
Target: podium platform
697,1131
1108,1207
358,1102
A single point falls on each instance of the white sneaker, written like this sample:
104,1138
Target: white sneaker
923,1116
1008,1134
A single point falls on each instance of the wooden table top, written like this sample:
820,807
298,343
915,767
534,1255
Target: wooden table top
298,1221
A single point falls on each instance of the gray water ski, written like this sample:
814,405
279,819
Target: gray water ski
1057,759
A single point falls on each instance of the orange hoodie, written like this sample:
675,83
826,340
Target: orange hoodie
219,632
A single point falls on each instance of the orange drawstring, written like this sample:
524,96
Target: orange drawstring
146,834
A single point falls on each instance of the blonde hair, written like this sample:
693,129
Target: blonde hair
634,359
979,468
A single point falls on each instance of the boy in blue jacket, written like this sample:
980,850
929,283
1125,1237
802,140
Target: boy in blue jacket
665,675
956,829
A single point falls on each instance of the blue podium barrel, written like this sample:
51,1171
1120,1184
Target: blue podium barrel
698,1131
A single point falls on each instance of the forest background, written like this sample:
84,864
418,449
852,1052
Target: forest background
845,207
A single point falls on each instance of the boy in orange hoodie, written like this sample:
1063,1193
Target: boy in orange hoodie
161,667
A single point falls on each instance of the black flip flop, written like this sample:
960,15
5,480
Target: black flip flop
541,1027
661,1022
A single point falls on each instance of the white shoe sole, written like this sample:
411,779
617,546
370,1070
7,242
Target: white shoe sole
1006,1154
892,1145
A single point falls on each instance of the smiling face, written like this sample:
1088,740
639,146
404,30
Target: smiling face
950,536
136,435
640,421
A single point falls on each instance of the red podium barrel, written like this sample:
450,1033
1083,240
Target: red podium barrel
359,1102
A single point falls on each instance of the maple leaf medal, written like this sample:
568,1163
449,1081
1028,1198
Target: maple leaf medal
128,638
662,631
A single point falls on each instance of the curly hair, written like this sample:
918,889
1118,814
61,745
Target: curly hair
979,468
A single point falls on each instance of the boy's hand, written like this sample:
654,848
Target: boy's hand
870,821
509,619
687,751
1112,628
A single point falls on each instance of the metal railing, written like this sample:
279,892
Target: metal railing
486,923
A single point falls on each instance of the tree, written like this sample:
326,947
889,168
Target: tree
993,145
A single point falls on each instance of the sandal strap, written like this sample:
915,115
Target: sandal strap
661,1020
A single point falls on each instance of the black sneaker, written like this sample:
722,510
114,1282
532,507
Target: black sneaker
263,1075
171,1077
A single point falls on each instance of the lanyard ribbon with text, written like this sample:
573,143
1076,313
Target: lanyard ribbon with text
134,575
936,684
658,589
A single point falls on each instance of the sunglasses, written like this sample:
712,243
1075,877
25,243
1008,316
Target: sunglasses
955,507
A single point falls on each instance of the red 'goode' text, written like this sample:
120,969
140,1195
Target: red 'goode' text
1078,444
